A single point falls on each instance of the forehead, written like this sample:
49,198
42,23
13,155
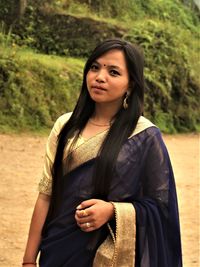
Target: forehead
113,57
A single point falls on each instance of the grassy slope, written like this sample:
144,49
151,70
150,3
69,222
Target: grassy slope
38,88
45,81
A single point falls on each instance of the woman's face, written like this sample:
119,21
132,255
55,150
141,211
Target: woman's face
108,78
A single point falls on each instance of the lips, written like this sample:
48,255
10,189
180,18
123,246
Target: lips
98,87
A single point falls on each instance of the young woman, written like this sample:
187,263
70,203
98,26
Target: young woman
106,167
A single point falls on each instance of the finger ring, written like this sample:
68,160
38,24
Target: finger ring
84,213
88,224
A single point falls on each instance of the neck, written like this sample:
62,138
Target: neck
104,113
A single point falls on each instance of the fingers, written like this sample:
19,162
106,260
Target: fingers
86,223
82,217
96,212
82,213
87,203
87,227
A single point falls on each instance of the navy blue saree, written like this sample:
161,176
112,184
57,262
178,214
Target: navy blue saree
144,178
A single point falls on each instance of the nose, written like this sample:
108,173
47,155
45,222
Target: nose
101,76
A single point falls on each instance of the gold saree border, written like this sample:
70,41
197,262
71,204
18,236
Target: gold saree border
143,124
119,250
84,151
89,149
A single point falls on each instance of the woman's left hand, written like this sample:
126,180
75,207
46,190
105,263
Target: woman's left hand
93,213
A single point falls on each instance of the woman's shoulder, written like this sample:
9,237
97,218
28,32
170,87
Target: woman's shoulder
146,134
146,125
60,122
64,118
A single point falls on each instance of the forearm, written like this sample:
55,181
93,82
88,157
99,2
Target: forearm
37,222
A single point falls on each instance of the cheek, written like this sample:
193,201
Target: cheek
122,87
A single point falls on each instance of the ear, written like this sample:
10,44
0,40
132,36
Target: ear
128,92
131,86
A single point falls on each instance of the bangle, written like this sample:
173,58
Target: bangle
26,263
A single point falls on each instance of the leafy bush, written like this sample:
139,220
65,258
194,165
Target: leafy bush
52,33
172,98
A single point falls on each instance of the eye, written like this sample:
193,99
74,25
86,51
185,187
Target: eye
94,67
114,73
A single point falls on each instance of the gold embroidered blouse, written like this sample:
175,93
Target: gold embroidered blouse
80,152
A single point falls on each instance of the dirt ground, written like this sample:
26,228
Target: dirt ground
21,161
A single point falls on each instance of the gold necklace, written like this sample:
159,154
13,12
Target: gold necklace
99,125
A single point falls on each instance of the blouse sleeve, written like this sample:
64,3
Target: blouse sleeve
45,183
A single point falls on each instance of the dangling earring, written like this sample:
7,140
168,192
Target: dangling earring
125,102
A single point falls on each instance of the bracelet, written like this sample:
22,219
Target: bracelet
26,263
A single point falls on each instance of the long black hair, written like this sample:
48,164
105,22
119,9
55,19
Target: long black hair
124,123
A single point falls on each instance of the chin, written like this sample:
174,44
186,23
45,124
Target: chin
97,98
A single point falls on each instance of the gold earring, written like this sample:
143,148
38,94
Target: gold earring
125,102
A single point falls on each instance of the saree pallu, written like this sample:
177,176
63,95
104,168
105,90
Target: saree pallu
143,179
119,249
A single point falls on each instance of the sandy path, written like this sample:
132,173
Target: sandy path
21,160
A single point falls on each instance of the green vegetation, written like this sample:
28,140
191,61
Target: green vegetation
36,88
42,56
